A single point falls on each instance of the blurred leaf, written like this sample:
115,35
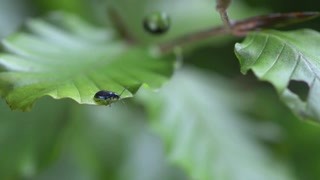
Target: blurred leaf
63,140
282,58
29,142
109,143
12,14
68,58
297,142
71,6
88,10
196,117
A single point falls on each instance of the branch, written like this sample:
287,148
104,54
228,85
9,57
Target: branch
221,7
241,28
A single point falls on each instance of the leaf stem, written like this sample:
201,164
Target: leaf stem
241,28
121,27
221,7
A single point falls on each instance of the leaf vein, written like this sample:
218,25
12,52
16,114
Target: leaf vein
77,89
262,50
295,66
277,59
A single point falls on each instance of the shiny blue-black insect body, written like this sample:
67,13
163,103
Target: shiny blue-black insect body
104,97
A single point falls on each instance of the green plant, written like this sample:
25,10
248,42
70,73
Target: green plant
202,118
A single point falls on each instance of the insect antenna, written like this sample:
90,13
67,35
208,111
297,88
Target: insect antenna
122,91
122,101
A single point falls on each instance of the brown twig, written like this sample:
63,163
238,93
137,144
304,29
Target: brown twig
222,6
241,28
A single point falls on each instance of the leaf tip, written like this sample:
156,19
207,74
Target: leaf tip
237,50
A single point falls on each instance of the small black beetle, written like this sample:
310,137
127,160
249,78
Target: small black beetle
104,97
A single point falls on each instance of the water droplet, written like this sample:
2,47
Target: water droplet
157,23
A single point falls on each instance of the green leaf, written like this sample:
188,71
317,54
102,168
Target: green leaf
114,143
196,117
31,141
284,57
64,57
79,142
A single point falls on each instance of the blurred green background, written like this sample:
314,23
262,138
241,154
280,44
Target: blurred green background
60,139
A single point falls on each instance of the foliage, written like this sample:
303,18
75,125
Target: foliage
184,122
209,139
280,57
74,61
